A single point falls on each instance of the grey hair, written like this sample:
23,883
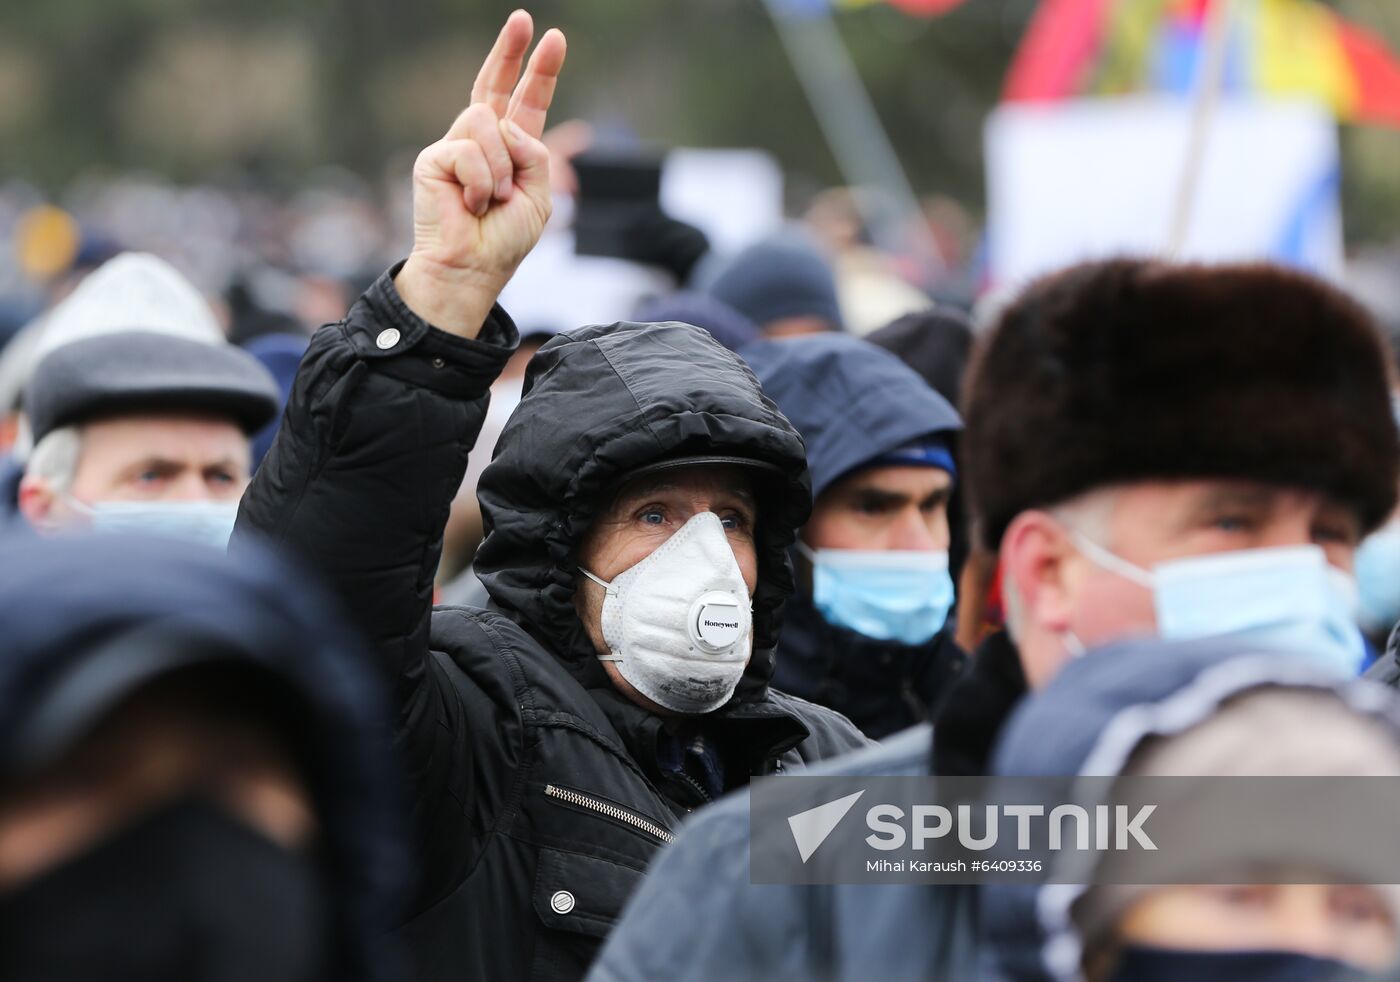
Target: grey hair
54,459
1089,514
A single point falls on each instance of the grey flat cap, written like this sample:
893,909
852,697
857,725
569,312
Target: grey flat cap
140,371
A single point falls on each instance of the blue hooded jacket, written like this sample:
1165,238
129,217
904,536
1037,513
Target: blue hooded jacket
1089,720
853,402
62,597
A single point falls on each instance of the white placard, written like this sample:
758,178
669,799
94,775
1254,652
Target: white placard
1095,178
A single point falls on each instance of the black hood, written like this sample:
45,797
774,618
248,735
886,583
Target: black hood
599,403
64,601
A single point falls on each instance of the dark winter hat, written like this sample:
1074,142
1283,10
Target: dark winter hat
778,279
131,371
1132,370
935,343
725,324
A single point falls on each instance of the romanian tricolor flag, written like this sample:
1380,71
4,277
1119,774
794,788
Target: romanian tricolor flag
1284,48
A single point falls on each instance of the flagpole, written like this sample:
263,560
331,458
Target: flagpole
851,126
1209,84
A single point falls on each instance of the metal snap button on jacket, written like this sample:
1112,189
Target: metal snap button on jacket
562,902
388,338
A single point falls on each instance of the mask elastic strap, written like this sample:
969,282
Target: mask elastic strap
1111,561
602,583
1073,645
615,656
81,507
805,550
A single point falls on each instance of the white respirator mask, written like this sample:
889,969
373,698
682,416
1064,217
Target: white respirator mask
679,624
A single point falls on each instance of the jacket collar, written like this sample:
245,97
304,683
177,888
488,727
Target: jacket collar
748,734
966,730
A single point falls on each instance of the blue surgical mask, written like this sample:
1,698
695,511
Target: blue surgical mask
207,522
886,595
1378,580
1137,963
1287,598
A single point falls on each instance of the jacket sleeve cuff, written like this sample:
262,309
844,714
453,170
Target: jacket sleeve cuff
391,338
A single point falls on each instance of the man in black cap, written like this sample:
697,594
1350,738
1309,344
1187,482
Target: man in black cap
639,509
194,780
1180,451
140,413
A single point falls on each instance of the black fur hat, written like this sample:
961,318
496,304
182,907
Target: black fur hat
1128,370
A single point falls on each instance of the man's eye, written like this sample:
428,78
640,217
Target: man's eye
148,476
734,521
871,507
1233,523
1358,906
220,477
1332,535
653,516
1245,895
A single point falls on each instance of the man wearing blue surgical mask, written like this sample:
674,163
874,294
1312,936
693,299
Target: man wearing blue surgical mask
870,635
1171,451
140,413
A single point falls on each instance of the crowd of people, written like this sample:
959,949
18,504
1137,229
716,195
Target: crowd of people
432,646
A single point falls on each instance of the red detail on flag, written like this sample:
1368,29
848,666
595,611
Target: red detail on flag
1376,72
1060,45
925,8
1193,11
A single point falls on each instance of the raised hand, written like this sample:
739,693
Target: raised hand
481,194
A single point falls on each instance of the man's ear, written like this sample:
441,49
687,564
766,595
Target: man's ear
36,502
1033,556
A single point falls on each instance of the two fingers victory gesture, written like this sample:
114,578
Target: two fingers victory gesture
481,194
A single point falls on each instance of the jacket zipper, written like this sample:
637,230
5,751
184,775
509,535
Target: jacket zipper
612,811
693,785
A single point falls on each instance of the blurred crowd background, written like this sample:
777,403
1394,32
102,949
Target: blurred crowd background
264,147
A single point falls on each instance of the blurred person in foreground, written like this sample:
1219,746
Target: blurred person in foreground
869,633
1207,709
640,506
1182,451
194,778
140,413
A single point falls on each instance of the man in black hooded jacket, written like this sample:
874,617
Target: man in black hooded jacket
639,509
